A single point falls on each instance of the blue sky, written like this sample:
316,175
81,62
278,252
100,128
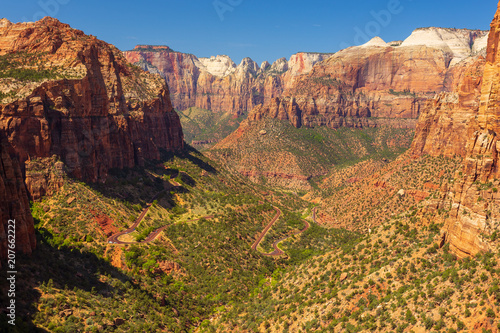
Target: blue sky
261,30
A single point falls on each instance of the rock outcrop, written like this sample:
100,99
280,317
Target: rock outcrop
357,85
475,214
73,98
444,121
217,83
460,43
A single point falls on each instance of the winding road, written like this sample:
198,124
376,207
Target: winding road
277,251
266,229
113,239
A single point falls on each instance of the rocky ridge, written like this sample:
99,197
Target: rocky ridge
475,212
462,122
217,83
377,85
376,80
73,98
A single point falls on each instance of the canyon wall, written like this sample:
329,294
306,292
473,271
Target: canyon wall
444,121
217,83
14,204
475,212
72,98
435,74
362,86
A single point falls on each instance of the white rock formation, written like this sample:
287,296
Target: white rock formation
480,44
459,43
220,65
4,22
265,65
247,65
280,65
302,62
375,41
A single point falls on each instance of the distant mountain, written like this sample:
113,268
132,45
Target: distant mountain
217,83
369,86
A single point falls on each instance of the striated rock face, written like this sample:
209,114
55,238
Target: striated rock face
217,83
376,80
461,43
88,107
475,213
361,83
105,118
443,124
374,85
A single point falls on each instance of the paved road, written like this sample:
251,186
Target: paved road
266,229
277,251
113,239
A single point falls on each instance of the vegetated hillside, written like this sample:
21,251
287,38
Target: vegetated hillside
204,128
421,216
393,279
427,260
369,193
374,259
200,263
275,153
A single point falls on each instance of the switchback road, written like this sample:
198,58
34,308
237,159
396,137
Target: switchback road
277,251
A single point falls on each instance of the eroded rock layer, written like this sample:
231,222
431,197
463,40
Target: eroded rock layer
73,98
217,83
444,121
475,214
359,86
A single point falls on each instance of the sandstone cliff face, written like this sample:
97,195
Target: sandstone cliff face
374,85
444,122
460,43
217,83
359,84
80,101
476,210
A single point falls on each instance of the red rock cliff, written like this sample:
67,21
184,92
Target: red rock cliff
216,83
444,121
359,84
76,97
475,214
